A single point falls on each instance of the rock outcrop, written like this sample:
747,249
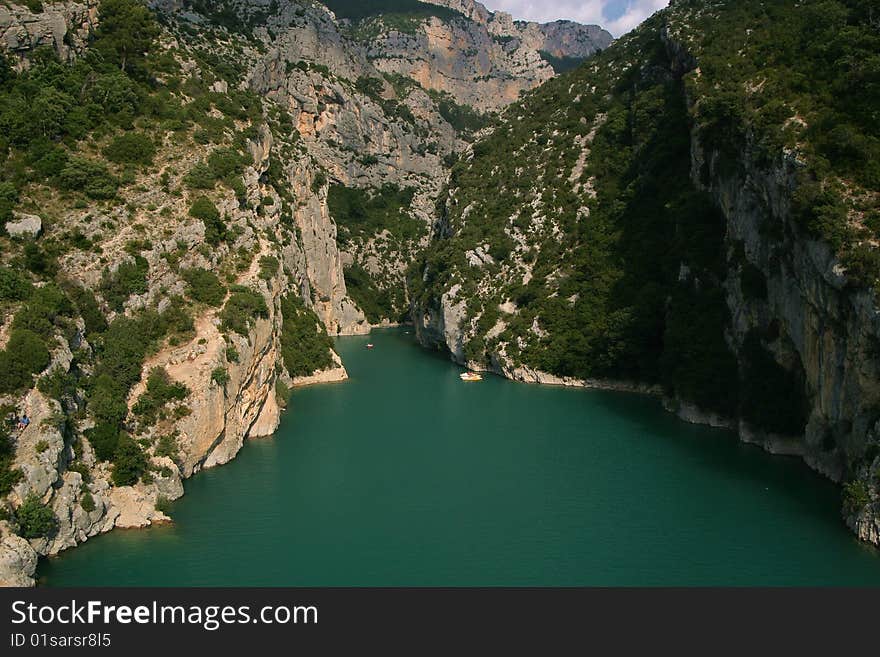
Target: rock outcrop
24,225
62,26
18,560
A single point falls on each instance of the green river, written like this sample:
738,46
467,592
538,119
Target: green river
404,475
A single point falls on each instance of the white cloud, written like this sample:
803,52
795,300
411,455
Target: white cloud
635,13
616,16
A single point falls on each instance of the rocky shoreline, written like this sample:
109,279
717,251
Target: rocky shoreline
127,507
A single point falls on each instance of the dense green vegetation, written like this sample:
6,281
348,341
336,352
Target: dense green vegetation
90,177
382,215
25,355
126,32
160,391
805,75
463,118
561,64
14,286
204,286
362,213
215,228
222,165
377,304
129,462
243,305
35,520
47,109
220,376
88,308
45,310
122,349
9,476
305,345
131,148
128,279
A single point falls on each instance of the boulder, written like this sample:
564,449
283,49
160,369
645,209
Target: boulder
24,225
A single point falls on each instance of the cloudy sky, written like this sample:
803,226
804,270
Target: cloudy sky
616,16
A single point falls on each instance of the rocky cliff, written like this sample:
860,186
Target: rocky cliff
817,320
55,456
482,59
560,38
183,228
63,26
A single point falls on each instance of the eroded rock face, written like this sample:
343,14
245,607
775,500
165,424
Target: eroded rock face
486,61
823,327
558,38
63,26
494,75
222,415
441,327
18,560
349,138
323,261
39,448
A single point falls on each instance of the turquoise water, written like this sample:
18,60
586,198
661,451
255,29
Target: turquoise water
404,475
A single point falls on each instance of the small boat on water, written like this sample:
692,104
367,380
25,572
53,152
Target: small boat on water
369,345
470,376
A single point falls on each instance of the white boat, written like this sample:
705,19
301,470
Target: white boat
470,376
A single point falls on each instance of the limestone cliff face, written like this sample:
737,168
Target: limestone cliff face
492,77
63,26
348,135
484,60
825,328
324,261
559,38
